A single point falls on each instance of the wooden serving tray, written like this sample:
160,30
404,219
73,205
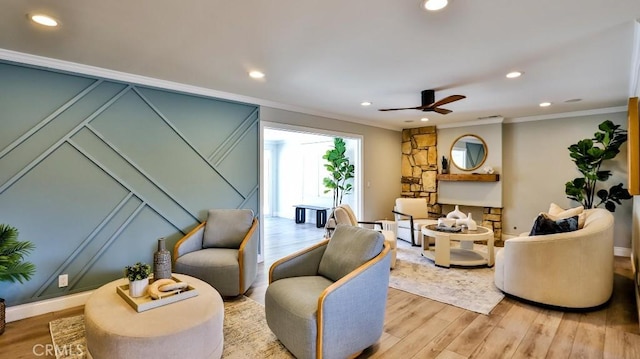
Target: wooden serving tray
145,302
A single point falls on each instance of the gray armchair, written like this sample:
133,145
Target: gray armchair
223,251
328,301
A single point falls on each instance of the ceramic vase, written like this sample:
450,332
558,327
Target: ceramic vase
161,261
456,214
138,288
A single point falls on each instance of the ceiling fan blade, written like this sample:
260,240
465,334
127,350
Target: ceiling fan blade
442,111
397,109
447,100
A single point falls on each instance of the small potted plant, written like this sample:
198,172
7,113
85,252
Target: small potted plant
138,275
13,268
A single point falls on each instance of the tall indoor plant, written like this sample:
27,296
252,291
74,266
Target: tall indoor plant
588,155
341,171
12,265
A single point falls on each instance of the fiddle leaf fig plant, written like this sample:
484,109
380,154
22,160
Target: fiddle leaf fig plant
13,268
341,171
588,155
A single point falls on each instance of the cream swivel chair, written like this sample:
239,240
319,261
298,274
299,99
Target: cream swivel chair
343,214
411,215
223,251
568,270
328,301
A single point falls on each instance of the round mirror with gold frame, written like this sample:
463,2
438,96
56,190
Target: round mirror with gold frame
468,152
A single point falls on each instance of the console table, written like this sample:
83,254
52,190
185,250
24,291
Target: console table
321,214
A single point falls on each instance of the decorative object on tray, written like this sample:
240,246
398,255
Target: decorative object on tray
160,292
456,214
138,275
467,222
161,261
452,229
446,222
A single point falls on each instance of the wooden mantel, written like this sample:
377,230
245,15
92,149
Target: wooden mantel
473,177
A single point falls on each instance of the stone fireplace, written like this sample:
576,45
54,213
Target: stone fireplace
420,172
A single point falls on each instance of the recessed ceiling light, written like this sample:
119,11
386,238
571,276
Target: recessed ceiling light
365,103
424,119
514,74
435,5
256,74
43,20
545,104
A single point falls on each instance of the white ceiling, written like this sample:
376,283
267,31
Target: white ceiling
325,57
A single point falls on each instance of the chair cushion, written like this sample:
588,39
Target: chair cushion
350,213
217,266
342,217
545,225
226,228
349,248
291,306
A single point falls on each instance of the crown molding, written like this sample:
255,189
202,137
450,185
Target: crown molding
598,111
485,121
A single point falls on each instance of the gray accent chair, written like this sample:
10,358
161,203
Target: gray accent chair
223,251
328,301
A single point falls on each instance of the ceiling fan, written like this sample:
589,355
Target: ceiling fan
429,103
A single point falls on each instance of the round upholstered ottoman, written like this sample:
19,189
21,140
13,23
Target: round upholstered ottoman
190,328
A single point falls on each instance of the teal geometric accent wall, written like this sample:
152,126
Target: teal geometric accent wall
94,171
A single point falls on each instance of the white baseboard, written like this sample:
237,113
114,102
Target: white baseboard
28,310
622,252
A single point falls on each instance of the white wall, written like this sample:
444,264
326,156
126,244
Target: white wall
483,194
381,156
537,165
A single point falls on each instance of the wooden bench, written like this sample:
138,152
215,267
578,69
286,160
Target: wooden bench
321,214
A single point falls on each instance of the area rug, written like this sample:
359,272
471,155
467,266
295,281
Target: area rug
246,334
467,288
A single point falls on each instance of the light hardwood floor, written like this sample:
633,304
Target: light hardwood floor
416,327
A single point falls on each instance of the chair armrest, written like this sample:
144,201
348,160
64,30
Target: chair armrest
192,241
354,304
248,256
402,214
372,223
301,263
413,236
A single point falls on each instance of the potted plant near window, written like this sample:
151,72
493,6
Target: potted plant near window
138,275
12,265
341,171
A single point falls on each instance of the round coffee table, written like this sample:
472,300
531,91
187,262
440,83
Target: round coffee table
190,328
444,255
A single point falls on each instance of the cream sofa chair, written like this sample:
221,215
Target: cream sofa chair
343,214
569,270
411,214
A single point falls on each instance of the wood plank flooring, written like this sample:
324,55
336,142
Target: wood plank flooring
416,327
